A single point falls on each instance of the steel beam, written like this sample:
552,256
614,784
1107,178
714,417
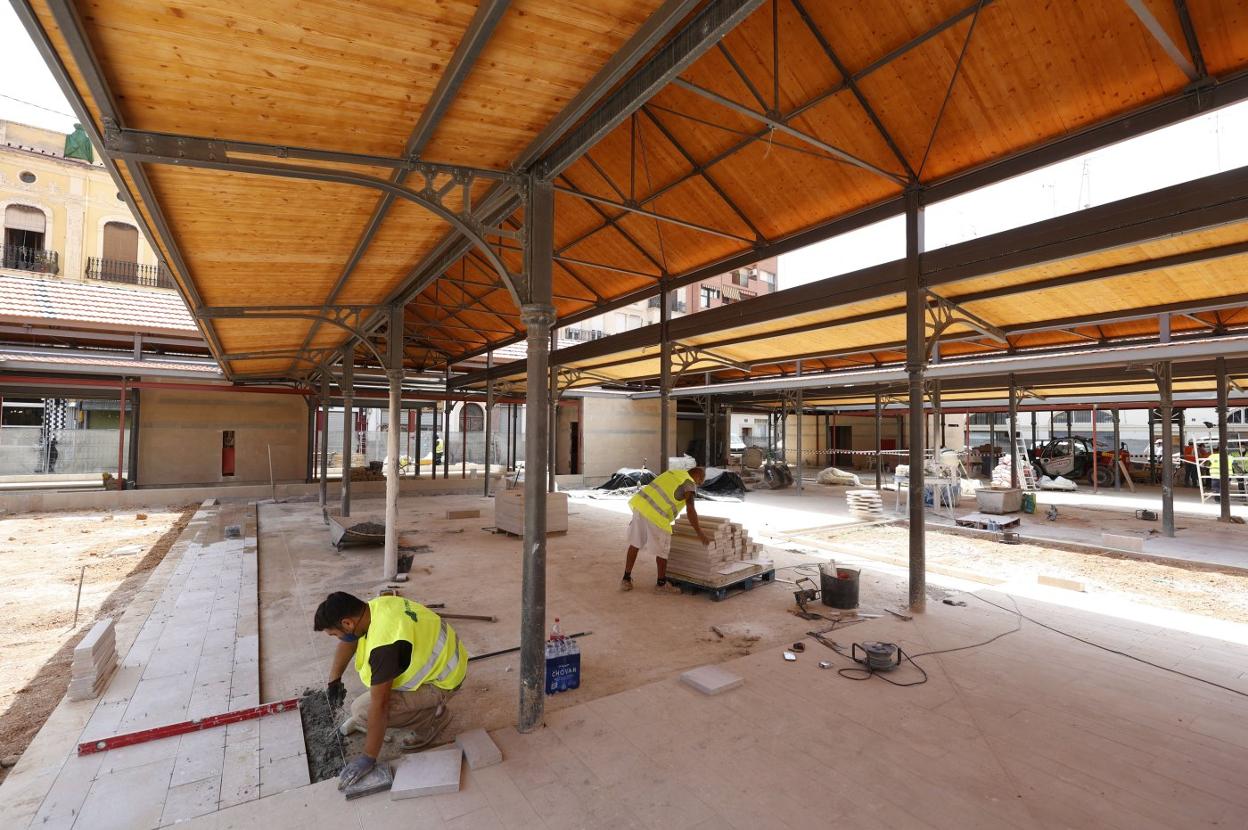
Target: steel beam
665,379
1015,461
489,426
780,126
702,32
1159,33
658,217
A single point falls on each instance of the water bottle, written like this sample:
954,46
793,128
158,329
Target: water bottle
556,635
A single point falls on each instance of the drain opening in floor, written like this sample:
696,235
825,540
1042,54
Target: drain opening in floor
326,752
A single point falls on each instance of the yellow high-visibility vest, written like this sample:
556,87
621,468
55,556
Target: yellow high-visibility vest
657,500
438,657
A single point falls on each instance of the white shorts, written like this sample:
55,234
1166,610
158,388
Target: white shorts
643,535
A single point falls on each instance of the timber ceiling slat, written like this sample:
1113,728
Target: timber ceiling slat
1218,25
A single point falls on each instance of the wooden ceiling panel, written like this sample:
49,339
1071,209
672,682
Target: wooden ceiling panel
333,75
260,368
259,240
784,190
539,57
609,246
398,246
1218,25
238,336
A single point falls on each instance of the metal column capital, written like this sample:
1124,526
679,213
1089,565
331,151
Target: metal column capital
537,315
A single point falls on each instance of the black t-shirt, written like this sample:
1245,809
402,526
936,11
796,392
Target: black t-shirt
389,661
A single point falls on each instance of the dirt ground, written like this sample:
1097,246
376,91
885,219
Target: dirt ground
41,557
1194,590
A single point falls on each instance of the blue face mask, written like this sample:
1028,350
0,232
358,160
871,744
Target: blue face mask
349,638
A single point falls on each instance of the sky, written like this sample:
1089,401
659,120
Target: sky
1200,147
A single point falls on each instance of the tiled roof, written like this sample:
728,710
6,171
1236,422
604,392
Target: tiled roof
79,361
31,299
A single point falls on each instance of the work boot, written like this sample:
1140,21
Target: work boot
667,588
418,740
626,584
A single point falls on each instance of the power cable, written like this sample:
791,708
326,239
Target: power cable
37,106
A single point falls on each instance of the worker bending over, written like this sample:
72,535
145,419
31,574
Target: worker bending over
655,508
411,661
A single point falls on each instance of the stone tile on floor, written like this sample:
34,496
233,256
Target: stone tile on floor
283,774
132,799
711,680
187,801
430,772
479,750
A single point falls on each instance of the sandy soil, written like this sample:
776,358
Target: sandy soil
1193,590
41,557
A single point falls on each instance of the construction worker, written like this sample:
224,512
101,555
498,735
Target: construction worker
1191,467
1239,467
437,452
411,661
1215,474
655,508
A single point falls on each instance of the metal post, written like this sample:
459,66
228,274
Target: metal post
310,443
1164,387
1015,461
1152,449
879,423
463,441
1096,458
538,316
1224,471
798,407
323,461
1117,458
420,431
1033,430
394,373
728,436
446,427
706,431
915,355
121,436
489,422
433,443
515,434
133,455
665,377
347,384
553,420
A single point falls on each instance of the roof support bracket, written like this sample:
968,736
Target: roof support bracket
943,313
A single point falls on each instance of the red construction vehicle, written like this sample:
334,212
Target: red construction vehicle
1071,457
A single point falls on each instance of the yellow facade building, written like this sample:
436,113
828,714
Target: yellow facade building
64,217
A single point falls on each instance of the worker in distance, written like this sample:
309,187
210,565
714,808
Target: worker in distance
410,660
655,509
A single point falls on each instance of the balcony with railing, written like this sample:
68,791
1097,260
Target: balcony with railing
130,273
21,258
583,335
674,305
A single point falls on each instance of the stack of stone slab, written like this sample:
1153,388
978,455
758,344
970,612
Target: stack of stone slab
864,504
95,659
730,557
509,512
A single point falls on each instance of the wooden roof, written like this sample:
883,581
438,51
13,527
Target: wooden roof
863,95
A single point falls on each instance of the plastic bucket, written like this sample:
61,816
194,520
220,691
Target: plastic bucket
839,589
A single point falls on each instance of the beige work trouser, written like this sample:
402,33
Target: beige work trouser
413,710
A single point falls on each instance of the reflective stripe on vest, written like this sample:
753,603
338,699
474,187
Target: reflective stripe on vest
657,501
435,646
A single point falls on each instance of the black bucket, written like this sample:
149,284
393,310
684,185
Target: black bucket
840,590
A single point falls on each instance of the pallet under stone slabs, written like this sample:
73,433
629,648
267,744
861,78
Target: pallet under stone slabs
197,654
95,659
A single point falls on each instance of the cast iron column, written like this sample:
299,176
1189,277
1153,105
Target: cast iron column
799,404
394,373
665,377
1117,459
348,431
323,461
552,415
915,355
538,316
489,421
310,443
446,427
133,454
879,428
1165,388
1015,461
1224,469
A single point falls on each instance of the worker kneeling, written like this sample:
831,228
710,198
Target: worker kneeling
409,658
655,508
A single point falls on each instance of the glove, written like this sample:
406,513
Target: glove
359,767
336,692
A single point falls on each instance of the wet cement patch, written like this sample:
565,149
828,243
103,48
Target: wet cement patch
326,752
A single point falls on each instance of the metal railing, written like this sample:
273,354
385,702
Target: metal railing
583,335
131,273
21,258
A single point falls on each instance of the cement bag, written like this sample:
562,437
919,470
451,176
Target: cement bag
833,476
1058,483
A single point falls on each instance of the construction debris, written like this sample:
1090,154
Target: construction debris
834,476
95,659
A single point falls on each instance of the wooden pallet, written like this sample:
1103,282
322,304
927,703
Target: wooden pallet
719,591
987,521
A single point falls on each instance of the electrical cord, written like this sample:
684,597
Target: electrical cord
1023,616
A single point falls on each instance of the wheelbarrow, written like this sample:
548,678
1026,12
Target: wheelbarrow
356,531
